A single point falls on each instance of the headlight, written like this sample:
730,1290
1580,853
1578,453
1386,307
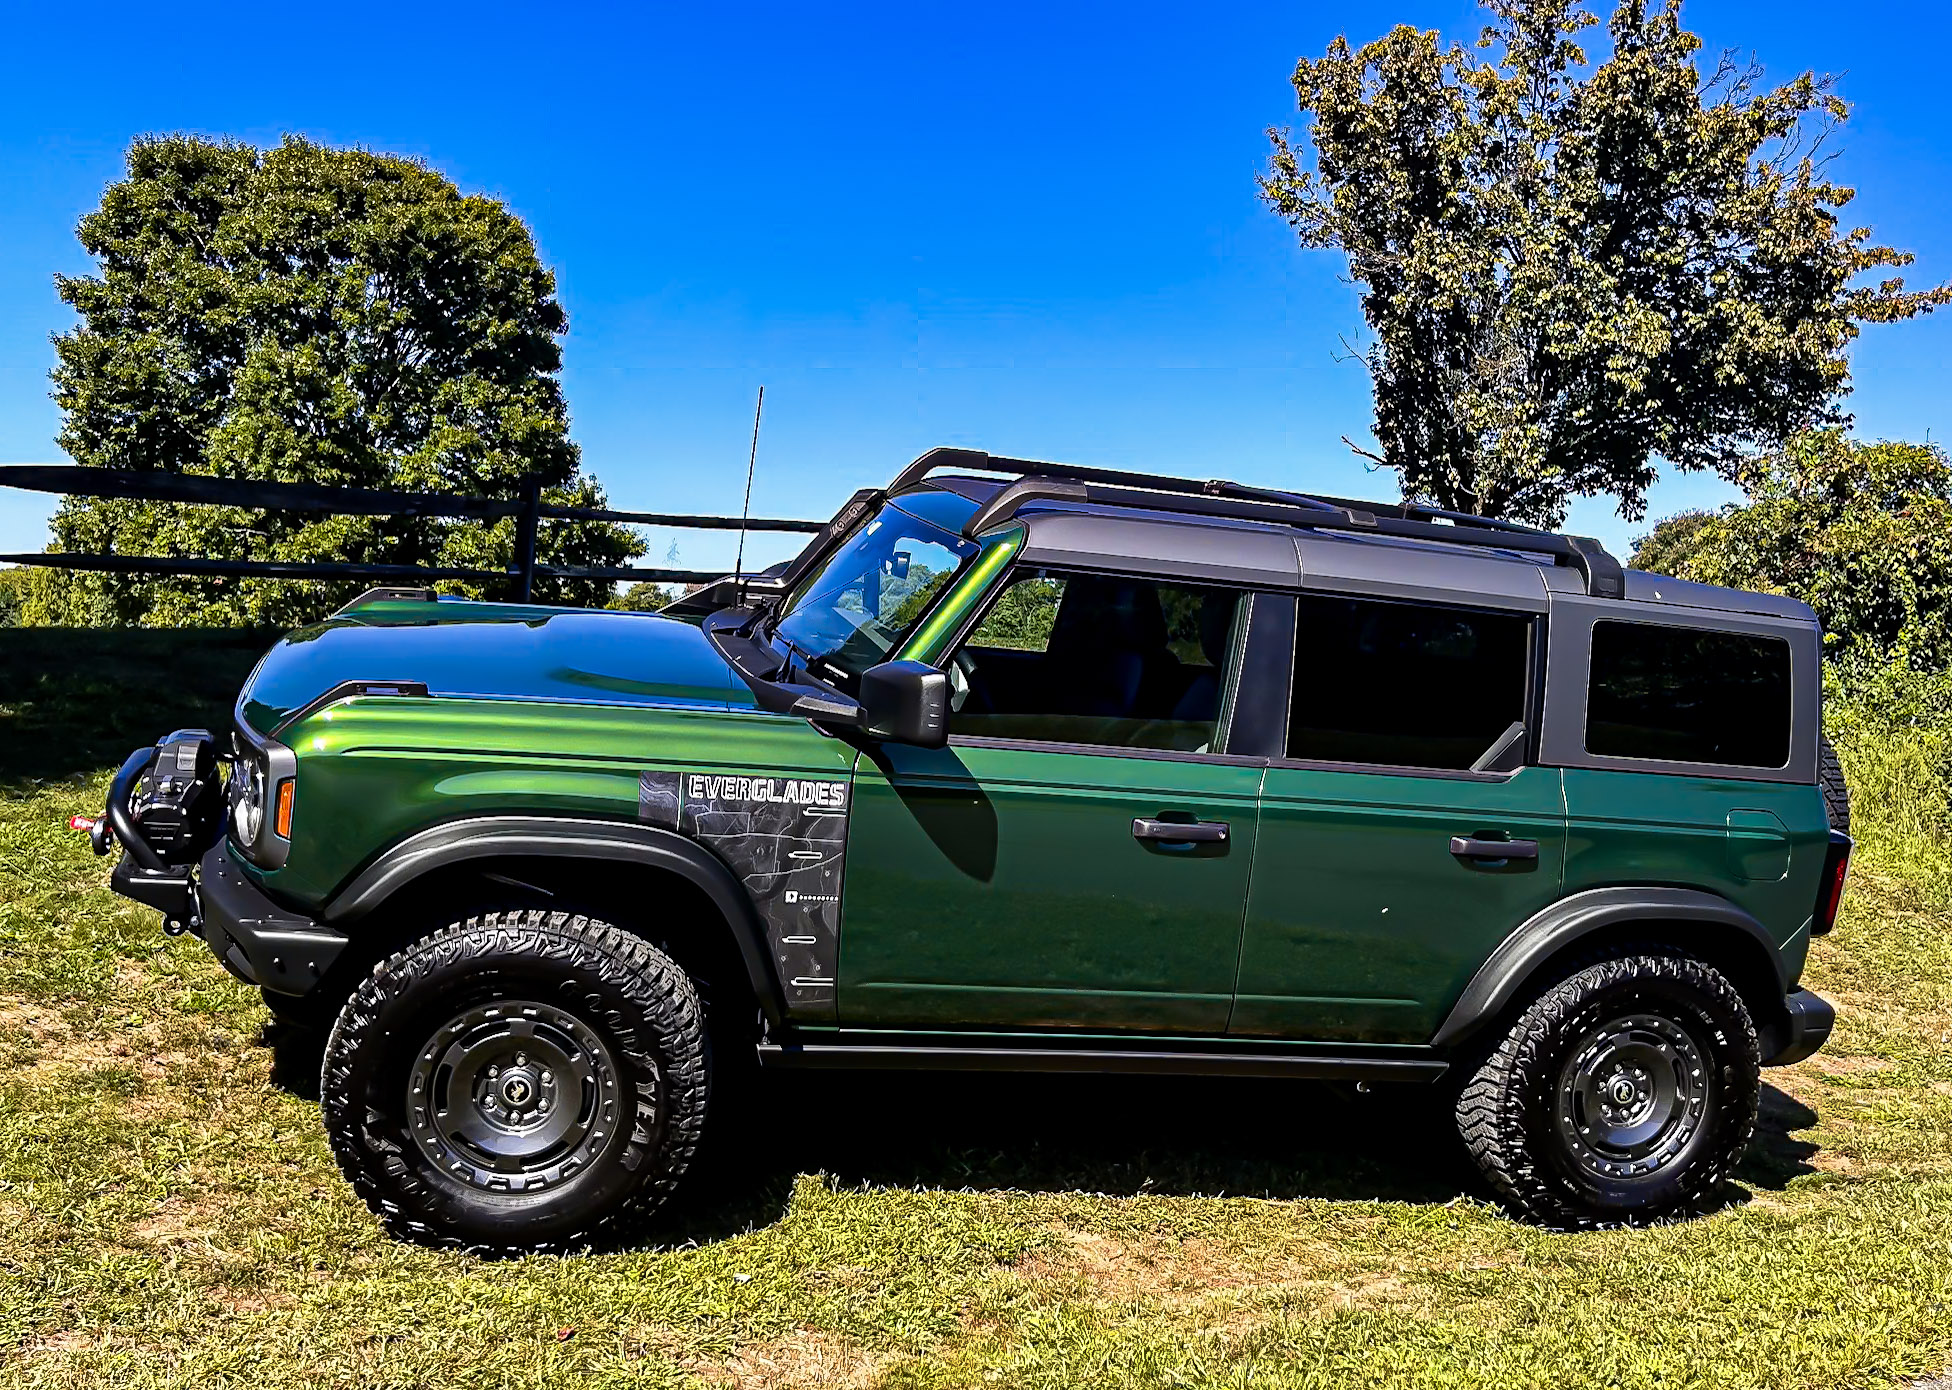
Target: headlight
247,801
261,787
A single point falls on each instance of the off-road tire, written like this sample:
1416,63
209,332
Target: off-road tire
1836,792
632,1006
1509,1111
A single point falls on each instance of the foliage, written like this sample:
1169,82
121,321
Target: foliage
1571,268
1861,532
644,597
13,593
317,315
1023,615
173,1216
1893,728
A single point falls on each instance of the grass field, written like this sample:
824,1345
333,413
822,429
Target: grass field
169,1214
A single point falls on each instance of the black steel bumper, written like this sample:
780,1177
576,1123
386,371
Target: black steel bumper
1805,1028
257,941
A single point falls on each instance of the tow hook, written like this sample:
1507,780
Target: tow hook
96,827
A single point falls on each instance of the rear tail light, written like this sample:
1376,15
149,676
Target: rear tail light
1830,892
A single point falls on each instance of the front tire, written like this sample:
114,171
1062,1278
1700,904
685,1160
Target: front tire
519,1081
1625,1094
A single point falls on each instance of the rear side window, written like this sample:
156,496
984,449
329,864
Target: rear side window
1685,695
1404,684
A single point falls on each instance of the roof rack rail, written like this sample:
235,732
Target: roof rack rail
1041,481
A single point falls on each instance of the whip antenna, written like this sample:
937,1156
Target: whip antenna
739,564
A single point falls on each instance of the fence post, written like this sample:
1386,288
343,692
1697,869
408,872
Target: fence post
525,524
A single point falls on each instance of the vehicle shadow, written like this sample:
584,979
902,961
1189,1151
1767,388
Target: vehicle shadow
1117,1136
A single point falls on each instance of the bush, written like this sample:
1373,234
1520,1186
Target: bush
1893,729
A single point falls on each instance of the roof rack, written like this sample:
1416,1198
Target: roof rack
1038,480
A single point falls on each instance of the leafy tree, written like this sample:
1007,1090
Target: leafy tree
644,597
1570,269
13,594
1860,532
319,315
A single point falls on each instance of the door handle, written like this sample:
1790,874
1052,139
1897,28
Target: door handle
1180,832
1469,847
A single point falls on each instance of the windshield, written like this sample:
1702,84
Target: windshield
859,607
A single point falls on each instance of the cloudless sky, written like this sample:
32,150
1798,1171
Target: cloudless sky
1027,228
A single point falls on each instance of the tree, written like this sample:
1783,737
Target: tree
644,597
318,315
1572,269
1860,532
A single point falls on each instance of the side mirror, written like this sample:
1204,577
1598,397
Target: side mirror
905,702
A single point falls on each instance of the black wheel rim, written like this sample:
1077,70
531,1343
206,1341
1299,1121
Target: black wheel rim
1632,1096
513,1096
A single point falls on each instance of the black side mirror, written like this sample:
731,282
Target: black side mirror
905,702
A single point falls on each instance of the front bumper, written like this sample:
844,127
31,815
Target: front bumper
1804,1028
258,941
255,939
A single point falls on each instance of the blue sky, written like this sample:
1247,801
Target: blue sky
1027,228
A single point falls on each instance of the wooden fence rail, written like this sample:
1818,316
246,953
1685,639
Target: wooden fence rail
529,510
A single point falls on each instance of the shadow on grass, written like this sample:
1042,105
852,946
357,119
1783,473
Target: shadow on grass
74,701
1100,1135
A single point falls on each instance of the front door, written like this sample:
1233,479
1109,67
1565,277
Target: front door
1403,836
1077,857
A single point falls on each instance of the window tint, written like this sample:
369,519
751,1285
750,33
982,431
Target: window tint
1082,658
1683,695
1404,684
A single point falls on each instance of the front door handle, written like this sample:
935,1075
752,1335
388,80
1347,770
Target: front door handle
1180,832
1470,847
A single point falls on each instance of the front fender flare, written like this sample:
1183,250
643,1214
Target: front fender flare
500,837
1506,970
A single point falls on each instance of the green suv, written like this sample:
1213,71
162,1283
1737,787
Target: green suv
1025,767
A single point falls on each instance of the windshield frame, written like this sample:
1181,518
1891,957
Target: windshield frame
841,662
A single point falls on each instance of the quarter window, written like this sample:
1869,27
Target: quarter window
1404,684
1097,659
1686,695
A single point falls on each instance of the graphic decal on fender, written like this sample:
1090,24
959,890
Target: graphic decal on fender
786,838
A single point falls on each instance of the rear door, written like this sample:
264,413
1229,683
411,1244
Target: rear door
1077,857
1397,846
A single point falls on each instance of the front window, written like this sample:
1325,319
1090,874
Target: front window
1097,659
857,609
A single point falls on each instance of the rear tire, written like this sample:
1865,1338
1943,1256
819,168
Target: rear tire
1625,1094
1830,777
519,1081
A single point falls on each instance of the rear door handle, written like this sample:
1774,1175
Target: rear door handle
1179,832
1469,847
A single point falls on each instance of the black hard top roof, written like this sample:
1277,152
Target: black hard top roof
1238,533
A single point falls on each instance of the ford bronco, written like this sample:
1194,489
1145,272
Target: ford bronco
1022,766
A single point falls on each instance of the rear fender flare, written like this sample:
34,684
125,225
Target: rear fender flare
1509,968
502,837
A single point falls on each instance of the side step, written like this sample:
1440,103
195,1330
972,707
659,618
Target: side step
931,1057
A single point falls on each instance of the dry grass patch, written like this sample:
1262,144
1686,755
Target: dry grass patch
804,1359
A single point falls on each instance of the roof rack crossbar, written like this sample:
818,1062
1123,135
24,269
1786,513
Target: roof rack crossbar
1422,511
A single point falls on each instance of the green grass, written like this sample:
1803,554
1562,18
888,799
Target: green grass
169,1214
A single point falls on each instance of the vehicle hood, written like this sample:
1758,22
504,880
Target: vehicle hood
494,651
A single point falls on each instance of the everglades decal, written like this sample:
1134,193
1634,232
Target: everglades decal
785,838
